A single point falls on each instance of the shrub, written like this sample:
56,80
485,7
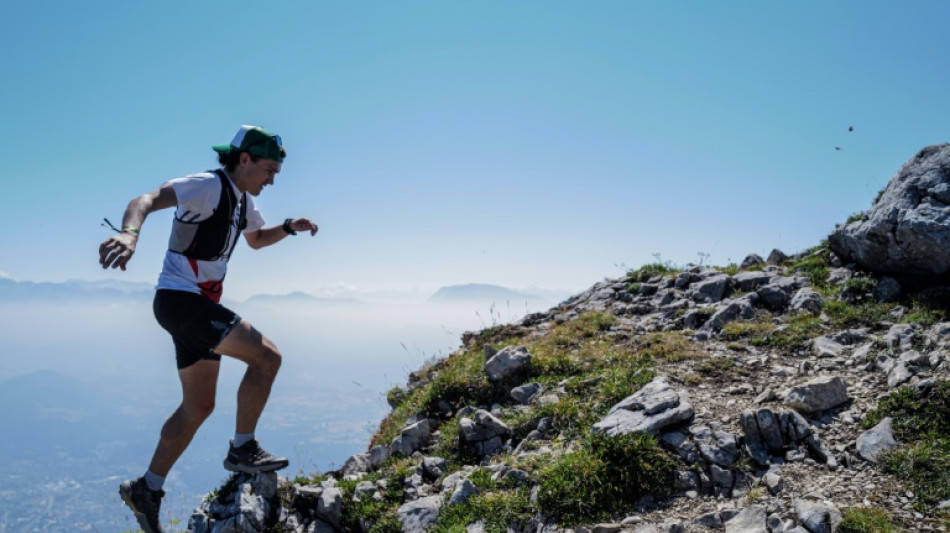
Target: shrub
605,476
916,415
498,510
926,465
922,421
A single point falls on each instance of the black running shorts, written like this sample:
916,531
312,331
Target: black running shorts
197,325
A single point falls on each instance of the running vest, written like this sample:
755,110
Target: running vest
210,239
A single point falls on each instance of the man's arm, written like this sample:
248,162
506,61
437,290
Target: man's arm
268,236
118,249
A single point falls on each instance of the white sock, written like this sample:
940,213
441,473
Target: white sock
241,438
153,480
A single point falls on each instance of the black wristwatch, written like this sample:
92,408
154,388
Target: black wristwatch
287,227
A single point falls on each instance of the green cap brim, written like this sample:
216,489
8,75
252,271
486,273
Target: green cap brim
222,148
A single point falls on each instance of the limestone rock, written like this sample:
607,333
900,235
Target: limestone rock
507,364
806,299
907,233
525,393
817,517
876,441
413,436
818,395
749,520
484,432
751,260
652,408
416,516
463,491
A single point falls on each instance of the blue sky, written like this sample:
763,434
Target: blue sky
518,143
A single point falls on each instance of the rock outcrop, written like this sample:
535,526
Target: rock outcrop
907,232
757,399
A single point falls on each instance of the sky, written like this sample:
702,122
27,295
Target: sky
527,144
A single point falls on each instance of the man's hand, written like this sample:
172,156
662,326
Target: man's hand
117,250
304,224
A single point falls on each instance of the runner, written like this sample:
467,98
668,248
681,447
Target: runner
213,209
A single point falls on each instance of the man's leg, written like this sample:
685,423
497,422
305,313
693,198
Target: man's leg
263,361
199,382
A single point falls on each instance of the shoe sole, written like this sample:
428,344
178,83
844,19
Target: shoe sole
125,491
234,467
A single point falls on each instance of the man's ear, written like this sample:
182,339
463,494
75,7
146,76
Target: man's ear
244,158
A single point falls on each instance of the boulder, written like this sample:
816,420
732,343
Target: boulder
484,433
887,289
356,464
817,517
711,289
818,395
652,408
907,232
417,516
749,520
463,491
776,257
507,364
807,300
751,280
413,436
525,393
751,260
876,441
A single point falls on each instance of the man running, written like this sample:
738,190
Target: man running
213,209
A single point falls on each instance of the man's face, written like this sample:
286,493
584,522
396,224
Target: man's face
259,174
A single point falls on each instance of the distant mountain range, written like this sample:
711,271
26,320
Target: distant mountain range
116,290
73,290
481,292
297,297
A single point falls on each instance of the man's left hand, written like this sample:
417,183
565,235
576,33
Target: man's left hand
304,224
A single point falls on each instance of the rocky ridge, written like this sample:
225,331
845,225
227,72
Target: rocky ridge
751,381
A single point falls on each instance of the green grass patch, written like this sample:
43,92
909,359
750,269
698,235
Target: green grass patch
606,475
666,347
921,422
927,306
864,520
381,514
756,332
458,380
926,466
796,335
916,415
924,316
815,264
732,269
651,270
716,366
498,510
845,315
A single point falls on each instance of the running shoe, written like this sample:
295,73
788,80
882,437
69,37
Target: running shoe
251,458
144,502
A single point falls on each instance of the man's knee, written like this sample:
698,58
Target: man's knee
199,410
267,360
271,360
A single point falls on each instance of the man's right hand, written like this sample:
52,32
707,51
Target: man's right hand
117,250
